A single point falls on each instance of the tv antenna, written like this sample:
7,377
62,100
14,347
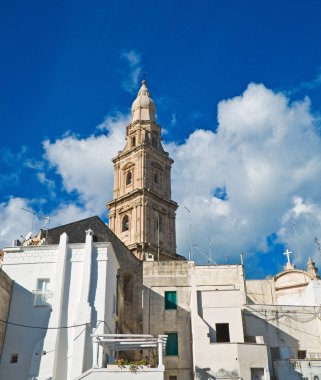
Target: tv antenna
296,238
190,253
45,219
317,244
209,259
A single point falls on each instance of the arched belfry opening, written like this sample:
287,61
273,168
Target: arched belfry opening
125,223
144,159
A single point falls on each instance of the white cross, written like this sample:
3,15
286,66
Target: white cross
287,253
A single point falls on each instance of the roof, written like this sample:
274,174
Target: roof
76,232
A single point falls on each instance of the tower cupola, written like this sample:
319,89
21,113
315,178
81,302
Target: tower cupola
143,107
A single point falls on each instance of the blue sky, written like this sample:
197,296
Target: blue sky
225,76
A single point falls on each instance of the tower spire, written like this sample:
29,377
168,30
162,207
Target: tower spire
143,107
142,213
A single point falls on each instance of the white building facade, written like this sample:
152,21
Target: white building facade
62,294
221,326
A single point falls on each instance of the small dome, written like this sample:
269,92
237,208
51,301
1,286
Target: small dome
143,107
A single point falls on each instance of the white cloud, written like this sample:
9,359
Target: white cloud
308,85
265,153
133,60
85,164
85,168
49,183
263,161
14,221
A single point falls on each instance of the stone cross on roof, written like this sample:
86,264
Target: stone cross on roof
288,264
287,253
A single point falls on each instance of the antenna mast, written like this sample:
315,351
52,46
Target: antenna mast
46,219
317,244
296,238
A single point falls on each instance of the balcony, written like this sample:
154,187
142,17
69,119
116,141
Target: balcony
113,344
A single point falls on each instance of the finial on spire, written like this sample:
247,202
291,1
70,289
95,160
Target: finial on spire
143,107
312,269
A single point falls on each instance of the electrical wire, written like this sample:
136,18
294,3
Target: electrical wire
49,328
275,318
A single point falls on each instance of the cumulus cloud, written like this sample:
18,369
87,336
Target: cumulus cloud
84,164
14,221
134,63
86,170
265,158
256,176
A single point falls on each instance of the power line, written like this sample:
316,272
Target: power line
49,328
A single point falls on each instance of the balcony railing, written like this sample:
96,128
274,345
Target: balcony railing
128,342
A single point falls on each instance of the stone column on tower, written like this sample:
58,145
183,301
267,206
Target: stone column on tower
142,213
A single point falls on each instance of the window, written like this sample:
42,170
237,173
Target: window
302,354
42,294
172,378
156,178
172,344
159,221
114,305
170,300
125,224
133,141
128,178
275,353
154,142
14,358
222,332
257,373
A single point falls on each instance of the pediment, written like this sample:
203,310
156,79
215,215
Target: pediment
291,278
128,166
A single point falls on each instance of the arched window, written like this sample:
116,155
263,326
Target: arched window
128,178
125,223
133,141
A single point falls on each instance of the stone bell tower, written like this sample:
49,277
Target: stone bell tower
142,213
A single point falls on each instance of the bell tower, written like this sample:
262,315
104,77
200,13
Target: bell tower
142,213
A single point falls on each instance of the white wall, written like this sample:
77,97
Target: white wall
89,285
217,297
115,373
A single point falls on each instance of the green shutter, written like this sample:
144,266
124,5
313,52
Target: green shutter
170,300
172,344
